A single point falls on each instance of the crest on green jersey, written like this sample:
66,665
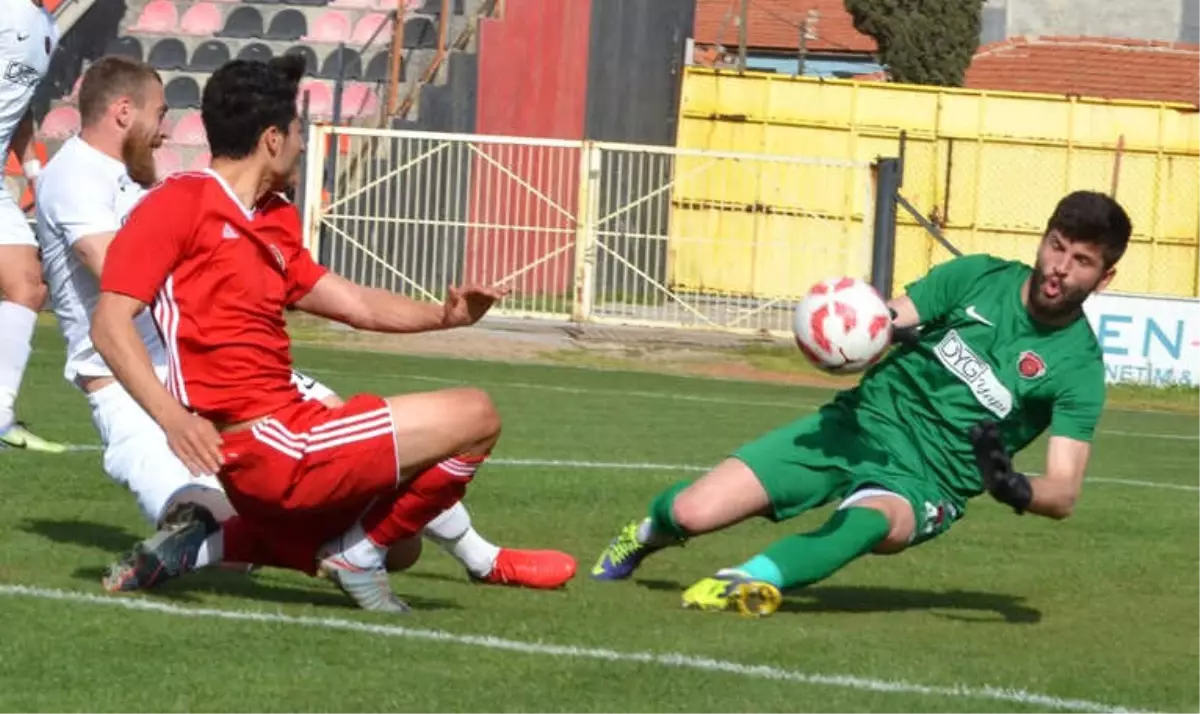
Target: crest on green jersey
1031,365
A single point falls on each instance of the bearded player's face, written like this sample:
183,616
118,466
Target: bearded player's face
145,134
1066,273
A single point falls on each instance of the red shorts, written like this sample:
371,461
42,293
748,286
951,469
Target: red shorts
309,463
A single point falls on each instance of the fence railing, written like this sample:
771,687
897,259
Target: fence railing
589,231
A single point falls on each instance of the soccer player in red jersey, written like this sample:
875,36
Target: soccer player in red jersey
218,257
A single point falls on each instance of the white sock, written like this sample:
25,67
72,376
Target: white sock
359,550
647,536
16,344
212,551
453,532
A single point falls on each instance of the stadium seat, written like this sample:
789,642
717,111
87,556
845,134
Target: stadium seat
189,131
353,64
183,93
420,34
379,68
330,26
256,51
371,27
202,19
210,55
359,99
310,58
287,25
61,123
243,23
310,3
167,161
320,99
157,16
168,54
351,4
129,47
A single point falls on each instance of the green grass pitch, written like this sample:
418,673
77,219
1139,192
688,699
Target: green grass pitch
1004,613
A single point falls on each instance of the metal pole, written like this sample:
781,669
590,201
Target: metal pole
803,48
883,254
743,21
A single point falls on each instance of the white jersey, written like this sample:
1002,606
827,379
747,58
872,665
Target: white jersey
28,37
84,192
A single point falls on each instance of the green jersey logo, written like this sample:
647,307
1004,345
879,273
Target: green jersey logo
974,372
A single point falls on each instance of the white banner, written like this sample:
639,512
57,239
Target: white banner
1147,340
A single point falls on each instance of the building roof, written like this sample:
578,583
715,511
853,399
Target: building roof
1090,66
775,25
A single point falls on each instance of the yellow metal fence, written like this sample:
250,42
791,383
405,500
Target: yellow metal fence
986,167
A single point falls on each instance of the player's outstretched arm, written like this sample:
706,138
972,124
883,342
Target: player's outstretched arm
115,337
1055,493
377,310
904,313
1052,495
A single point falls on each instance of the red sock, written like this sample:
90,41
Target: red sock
251,542
420,500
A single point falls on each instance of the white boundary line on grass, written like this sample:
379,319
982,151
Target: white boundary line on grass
670,396
669,659
692,468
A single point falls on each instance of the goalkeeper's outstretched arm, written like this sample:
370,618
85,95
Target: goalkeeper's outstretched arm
905,319
1055,492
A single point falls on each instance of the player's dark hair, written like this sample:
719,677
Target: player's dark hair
243,99
1093,217
108,79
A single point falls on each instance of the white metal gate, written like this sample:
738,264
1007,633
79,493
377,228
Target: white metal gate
613,233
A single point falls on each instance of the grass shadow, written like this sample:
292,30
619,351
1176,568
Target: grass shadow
868,599
215,581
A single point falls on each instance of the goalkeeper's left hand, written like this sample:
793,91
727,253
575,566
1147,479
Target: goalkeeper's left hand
995,465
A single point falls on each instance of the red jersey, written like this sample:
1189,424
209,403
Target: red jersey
219,277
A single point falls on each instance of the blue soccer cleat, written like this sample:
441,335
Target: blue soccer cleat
623,555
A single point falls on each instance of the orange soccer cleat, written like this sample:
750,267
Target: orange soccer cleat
541,569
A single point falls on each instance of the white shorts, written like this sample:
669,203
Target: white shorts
14,226
136,455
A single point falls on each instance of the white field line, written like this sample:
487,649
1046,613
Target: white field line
694,468
668,659
671,396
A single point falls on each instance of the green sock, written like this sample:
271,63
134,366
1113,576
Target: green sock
806,558
662,520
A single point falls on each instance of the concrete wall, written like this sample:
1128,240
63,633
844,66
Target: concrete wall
1169,20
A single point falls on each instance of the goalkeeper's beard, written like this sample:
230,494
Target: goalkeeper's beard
1070,298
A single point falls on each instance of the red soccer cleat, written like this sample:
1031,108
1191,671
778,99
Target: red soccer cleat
541,569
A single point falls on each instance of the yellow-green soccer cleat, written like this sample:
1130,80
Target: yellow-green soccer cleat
731,590
623,555
16,436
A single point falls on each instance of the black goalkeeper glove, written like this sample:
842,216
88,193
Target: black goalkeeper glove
999,478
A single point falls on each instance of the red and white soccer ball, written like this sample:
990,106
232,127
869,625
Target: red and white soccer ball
842,325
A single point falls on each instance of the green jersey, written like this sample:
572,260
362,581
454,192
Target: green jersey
980,356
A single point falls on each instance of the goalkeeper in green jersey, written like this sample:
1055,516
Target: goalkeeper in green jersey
999,352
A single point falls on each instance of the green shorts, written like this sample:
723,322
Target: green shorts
833,455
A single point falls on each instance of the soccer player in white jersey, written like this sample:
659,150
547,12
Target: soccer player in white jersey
28,37
84,194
